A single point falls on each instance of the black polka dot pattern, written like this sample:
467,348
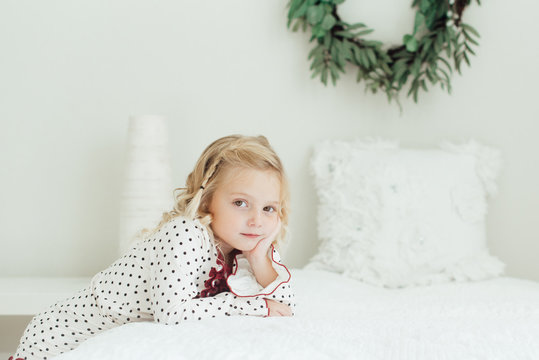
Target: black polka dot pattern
160,279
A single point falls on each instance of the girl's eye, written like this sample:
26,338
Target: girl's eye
240,203
269,209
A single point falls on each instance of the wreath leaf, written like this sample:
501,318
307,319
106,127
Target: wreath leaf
328,22
315,14
363,32
355,26
467,27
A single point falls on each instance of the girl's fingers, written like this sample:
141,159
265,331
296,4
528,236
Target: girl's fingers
279,309
287,312
266,242
284,311
272,236
278,227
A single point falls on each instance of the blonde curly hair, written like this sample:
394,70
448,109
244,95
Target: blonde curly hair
253,152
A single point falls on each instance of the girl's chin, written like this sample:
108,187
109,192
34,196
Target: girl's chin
239,245
246,247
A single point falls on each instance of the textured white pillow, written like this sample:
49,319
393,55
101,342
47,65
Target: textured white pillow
397,217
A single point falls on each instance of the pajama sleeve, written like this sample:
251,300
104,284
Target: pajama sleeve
242,282
181,248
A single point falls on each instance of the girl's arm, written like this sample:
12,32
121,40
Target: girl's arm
182,246
223,304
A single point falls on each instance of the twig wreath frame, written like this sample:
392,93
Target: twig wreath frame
422,58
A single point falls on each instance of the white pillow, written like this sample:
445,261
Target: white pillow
397,217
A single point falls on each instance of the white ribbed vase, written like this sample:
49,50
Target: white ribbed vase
147,191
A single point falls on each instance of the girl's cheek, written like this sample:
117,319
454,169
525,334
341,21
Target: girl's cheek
273,221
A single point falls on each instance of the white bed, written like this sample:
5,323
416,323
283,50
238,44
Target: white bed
342,318
389,219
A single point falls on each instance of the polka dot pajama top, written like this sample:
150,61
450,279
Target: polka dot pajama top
171,276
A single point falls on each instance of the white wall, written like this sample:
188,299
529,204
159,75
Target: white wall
72,72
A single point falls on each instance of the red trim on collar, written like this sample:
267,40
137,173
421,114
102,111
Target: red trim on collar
11,358
272,259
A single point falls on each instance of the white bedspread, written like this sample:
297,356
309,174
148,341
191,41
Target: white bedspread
341,318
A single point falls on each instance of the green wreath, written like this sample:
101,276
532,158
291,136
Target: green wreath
421,58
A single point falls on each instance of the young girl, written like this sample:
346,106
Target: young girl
213,255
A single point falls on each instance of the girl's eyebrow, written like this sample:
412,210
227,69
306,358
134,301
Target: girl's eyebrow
240,194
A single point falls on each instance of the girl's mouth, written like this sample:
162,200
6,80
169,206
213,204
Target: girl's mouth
250,236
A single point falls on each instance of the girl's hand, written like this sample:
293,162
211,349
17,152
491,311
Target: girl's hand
261,265
278,309
260,251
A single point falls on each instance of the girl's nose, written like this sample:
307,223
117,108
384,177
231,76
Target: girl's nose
254,219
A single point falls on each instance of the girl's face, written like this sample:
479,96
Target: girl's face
245,207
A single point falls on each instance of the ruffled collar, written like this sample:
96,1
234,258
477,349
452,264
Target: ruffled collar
216,283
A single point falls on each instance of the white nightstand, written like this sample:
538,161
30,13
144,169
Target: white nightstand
29,296
22,297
